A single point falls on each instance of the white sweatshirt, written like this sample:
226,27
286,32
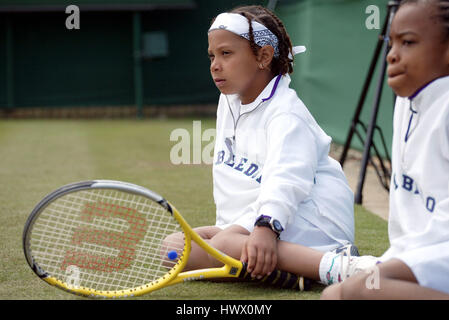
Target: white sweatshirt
271,158
419,193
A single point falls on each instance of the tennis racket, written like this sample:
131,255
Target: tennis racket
105,238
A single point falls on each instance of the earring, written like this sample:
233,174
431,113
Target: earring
261,66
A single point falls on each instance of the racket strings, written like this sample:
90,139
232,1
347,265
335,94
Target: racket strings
113,240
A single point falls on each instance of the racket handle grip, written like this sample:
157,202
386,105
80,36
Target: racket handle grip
281,279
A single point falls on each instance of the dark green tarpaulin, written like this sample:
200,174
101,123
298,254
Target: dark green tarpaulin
330,75
51,66
98,5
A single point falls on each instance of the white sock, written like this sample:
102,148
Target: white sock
330,267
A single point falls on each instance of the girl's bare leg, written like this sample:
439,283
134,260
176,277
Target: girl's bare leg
396,281
292,257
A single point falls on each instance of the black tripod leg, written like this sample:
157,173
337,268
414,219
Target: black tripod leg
372,124
362,98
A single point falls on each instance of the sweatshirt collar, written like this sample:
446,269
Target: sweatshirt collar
267,94
430,92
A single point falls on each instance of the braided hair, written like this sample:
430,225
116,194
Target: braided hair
281,64
442,7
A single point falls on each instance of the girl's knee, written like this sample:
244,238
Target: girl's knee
230,241
331,293
220,241
361,286
351,288
173,242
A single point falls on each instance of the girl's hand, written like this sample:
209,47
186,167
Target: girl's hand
260,252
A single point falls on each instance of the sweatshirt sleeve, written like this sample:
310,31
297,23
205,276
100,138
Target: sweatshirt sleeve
289,170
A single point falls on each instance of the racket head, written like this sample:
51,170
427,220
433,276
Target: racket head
104,238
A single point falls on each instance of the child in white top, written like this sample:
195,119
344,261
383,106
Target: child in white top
416,265
281,200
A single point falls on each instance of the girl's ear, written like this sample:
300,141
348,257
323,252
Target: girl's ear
265,56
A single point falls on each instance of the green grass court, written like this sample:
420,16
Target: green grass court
39,156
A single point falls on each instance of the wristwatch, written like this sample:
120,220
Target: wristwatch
269,222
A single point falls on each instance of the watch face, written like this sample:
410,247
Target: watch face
277,225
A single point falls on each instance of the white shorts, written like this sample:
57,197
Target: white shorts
303,232
430,264
309,235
